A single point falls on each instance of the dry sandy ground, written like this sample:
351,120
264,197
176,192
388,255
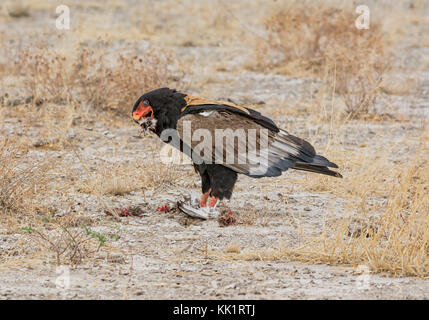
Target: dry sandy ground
169,256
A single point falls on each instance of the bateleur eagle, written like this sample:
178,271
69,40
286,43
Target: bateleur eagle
223,140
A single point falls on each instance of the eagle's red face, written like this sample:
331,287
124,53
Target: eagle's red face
143,114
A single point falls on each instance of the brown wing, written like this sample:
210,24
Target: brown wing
198,101
196,105
247,147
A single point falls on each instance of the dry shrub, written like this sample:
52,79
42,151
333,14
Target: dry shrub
46,75
20,182
91,78
68,244
23,183
17,8
387,235
396,240
116,85
322,40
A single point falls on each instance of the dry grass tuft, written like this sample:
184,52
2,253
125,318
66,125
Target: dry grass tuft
233,248
17,8
387,228
385,220
398,238
322,40
90,78
116,181
116,85
20,182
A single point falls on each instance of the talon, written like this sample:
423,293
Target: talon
213,202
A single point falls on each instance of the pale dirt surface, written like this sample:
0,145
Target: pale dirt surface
169,256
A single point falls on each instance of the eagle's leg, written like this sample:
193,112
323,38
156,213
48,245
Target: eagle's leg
204,197
217,182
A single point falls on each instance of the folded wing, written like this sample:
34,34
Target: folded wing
248,143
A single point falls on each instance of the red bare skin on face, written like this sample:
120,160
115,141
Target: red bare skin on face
143,111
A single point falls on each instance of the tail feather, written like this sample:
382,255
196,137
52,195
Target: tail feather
316,169
321,161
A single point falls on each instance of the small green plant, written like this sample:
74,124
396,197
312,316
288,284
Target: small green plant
28,229
96,235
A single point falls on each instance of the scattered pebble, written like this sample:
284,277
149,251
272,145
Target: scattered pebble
45,142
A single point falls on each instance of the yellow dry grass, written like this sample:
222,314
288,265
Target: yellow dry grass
384,222
20,181
321,40
90,78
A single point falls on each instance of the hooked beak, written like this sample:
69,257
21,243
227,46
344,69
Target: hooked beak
144,117
143,112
